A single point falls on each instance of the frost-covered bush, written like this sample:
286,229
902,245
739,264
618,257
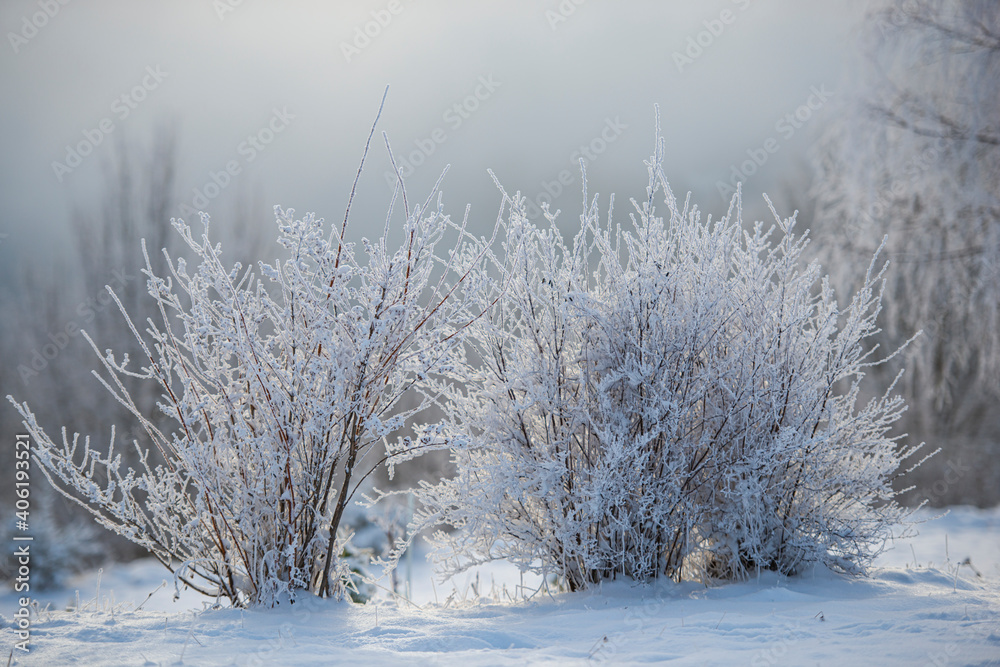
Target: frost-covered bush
675,400
278,387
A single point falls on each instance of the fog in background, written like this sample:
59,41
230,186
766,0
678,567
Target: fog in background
119,115
559,75
270,103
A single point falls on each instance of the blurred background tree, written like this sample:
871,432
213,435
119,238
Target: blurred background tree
915,154
47,362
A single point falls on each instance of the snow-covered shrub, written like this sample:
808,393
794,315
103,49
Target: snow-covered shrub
278,387
675,400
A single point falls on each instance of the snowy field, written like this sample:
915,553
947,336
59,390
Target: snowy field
922,606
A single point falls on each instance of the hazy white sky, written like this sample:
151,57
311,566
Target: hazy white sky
533,82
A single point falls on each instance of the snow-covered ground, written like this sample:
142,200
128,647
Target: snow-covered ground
920,607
